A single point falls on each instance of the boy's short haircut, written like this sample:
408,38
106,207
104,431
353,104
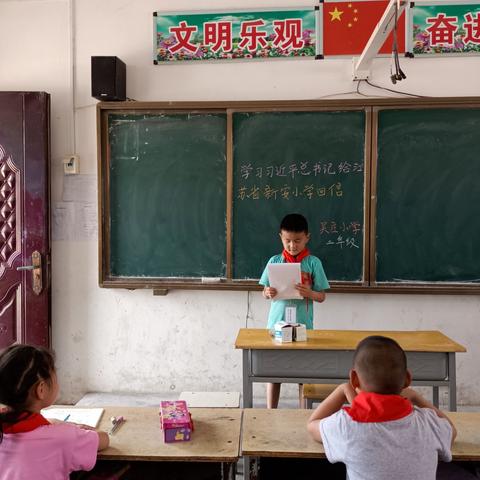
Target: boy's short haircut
381,365
294,222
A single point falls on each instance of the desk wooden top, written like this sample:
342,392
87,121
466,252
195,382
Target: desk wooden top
283,433
410,341
278,433
216,437
467,443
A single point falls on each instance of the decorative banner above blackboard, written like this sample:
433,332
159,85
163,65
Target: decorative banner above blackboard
332,28
439,29
252,34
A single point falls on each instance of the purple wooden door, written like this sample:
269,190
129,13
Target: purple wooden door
24,218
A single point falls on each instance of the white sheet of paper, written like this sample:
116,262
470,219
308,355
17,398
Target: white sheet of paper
85,416
283,277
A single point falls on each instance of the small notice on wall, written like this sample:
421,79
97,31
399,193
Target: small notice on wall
75,217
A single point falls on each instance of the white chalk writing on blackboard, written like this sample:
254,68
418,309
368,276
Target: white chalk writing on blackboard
300,169
288,192
328,227
341,234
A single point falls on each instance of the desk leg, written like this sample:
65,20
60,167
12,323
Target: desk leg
247,384
228,471
250,468
435,395
247,403
452,381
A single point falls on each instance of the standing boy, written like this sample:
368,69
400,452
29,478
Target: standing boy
294,236
389,431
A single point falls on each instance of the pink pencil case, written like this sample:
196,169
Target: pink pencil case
175,421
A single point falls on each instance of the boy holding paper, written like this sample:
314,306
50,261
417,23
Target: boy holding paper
294,236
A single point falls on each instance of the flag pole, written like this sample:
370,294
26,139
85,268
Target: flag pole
362,64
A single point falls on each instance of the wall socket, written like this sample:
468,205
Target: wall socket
71,165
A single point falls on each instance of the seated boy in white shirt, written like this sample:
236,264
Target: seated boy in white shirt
389,431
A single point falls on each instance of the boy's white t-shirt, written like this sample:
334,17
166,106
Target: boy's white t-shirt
404,449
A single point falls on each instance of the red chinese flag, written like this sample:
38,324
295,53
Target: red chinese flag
347,27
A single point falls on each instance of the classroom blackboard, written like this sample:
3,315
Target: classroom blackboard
311,163
192,195
428,205
166,196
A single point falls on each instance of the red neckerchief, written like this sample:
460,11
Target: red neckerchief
297,258
374,407
26,423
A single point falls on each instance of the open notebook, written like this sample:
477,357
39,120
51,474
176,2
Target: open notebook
85,416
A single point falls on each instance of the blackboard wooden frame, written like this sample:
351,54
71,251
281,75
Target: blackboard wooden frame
371,107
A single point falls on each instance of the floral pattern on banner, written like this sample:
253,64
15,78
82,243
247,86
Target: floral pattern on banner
283,33
446,29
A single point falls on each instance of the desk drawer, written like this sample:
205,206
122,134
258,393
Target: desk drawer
302,363
428,366
337,364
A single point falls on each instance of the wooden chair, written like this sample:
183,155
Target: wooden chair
310,393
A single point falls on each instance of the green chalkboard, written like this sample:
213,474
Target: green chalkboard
390,188
428,199
311,163
167,198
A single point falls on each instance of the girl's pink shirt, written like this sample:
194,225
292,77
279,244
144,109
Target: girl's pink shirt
49,452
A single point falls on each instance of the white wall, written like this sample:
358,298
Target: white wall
130,341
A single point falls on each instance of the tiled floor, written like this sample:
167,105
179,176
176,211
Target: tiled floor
125,399
98,399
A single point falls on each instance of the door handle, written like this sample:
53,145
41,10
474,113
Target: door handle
36,269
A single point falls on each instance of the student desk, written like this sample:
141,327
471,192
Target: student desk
326,357
283,433
216,438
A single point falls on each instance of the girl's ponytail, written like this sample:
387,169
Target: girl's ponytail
21,367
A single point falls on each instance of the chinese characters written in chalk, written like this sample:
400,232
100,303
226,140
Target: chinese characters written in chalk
288,192
341,234
300,169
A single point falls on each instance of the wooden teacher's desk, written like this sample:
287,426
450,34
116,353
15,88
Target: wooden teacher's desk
216,437
283,433
326,357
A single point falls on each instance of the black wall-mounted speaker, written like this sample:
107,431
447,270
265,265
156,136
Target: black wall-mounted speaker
109,79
